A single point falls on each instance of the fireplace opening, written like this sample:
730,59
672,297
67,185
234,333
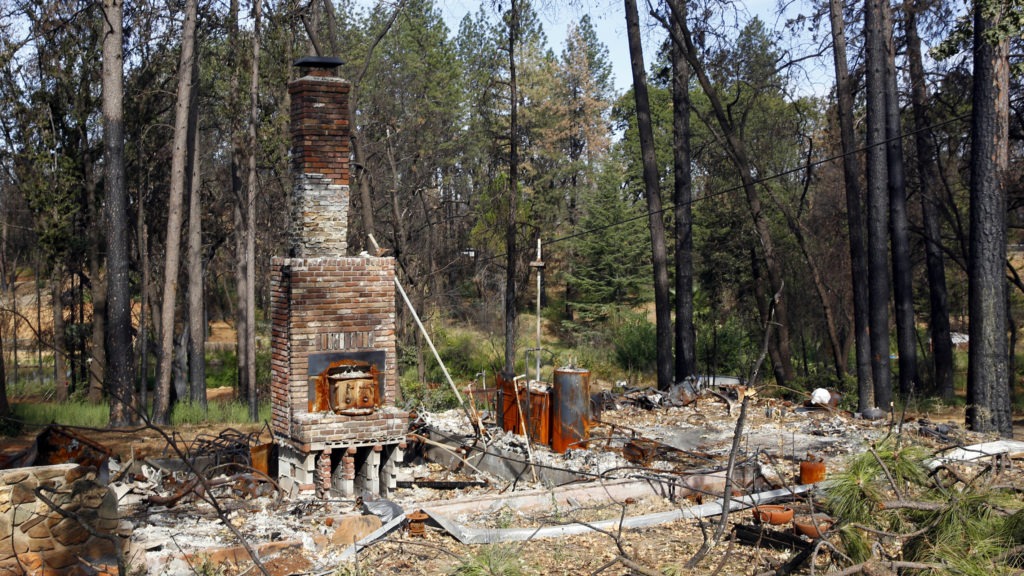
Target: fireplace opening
349,383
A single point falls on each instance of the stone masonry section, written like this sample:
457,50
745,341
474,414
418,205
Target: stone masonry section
320,160
36,538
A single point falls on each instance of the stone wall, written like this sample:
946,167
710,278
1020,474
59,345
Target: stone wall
37,539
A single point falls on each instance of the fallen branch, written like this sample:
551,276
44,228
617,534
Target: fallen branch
636,567
911,505
891,565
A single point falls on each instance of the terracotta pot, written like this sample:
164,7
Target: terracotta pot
773,513
813,526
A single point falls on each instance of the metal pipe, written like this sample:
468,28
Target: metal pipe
539,265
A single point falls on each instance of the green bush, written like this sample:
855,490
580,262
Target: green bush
434,397
635,344
222,369
725,347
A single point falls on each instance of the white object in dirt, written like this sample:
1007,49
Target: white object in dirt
821,396
1012,448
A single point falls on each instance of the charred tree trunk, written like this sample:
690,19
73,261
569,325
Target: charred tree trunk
682,196
928,178
988,407
902,274
511,250
120,369
779,347
656,222
60,375
878,204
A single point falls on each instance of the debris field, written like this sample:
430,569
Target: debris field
643,493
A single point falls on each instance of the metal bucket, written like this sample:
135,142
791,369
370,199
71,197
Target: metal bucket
570,426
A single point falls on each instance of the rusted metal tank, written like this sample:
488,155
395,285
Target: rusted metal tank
509,408
539,424
570,425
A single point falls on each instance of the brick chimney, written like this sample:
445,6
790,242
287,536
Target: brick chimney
320,159
335,434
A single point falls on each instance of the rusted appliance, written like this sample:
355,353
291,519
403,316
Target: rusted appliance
349,387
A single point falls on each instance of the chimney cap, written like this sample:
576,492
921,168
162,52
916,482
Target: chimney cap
326,62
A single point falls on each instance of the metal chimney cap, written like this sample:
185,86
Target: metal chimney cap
326,62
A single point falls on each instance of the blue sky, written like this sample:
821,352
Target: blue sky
609,21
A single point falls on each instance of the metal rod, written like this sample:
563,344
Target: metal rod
540,269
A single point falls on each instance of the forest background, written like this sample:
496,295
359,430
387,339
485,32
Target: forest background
146,148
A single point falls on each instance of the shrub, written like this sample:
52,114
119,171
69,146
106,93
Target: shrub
635,342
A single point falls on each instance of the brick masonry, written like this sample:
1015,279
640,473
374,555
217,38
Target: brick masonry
312,299
320,161
324,303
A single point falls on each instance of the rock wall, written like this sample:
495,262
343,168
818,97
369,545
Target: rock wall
65,535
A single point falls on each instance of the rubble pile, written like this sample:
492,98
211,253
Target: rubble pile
650,458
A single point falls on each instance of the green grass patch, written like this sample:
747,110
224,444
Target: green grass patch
215,413
76,413
83,414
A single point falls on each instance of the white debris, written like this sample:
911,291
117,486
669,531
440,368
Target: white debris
821,396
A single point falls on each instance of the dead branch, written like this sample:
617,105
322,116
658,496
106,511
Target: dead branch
934,474
636,567
885,469
911,505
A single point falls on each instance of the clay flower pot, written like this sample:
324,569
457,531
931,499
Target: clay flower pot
812,526
773,513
